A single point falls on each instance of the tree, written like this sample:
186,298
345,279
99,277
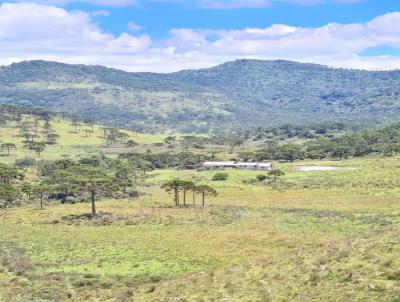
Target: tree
122,137
10,175
341,152
40,189
123,176
52,138
194,192
234,141
27,189
173,186
70,179
87,132
8,146
75,123
206,190
37,147
106,131
47,126
111,139
96,183
276,173
246,155
170,141
290,152
8,195
186,186
131,143
90,123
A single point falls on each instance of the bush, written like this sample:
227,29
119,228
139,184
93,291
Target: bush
261,177
220,176
25,162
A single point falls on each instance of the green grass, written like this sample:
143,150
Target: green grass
71,143
331,235
313,236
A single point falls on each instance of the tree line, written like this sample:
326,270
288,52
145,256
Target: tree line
380,142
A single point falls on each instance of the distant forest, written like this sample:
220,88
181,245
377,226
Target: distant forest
243,93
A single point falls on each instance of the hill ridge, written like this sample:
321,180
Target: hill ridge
241,93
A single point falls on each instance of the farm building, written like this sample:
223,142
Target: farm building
219,165
235,165
254,166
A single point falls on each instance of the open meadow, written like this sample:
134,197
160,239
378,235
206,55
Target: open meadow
309,236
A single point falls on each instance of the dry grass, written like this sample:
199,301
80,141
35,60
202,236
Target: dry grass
254,242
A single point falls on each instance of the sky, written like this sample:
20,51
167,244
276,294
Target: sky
171,35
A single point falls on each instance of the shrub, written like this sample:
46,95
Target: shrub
220,176
25,162
261,177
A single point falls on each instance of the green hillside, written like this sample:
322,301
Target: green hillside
236,94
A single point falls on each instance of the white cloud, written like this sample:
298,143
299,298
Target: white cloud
100,13
208,4
231,4
132,26
95,2
228,4
32,31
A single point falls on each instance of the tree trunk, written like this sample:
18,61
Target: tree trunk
204,199
93,203
41,200
176,197
184,197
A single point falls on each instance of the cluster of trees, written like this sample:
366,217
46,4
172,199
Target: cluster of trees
113,136
28,120
381,142
150,161
66,180
310,131
185,142
10,181
9,113
178,186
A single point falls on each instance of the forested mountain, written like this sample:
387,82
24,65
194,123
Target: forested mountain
235,94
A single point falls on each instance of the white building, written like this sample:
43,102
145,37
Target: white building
241,166
219,165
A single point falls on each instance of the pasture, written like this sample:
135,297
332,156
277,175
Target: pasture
310,236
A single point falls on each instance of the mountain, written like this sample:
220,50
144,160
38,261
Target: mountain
242,93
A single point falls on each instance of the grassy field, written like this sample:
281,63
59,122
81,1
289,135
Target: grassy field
311,236
71,143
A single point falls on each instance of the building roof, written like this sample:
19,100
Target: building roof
219,163
264,165
246,164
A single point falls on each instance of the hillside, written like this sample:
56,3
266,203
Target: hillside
235,94
28,134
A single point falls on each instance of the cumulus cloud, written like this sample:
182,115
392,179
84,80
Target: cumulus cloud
33,31
231,4
30,30
95,2
207,4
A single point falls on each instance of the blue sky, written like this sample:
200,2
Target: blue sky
169,35
159,17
